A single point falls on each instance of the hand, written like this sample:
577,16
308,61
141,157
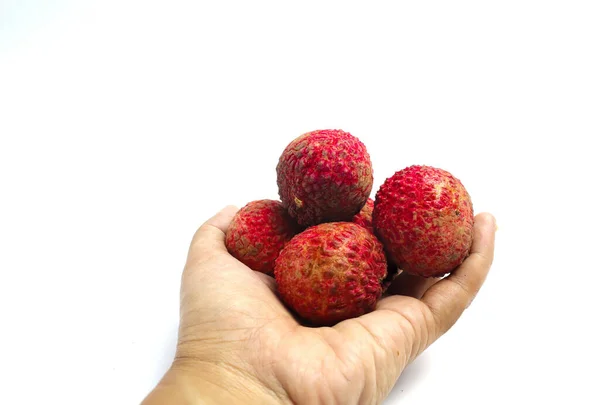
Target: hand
239,344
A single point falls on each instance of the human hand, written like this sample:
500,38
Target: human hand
238,344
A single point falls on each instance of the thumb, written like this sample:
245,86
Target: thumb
209,239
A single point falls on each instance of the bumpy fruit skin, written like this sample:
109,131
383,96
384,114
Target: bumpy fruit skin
424,217
324,176
258,233
331,272
365,217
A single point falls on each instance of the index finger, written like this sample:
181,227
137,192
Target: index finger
448,298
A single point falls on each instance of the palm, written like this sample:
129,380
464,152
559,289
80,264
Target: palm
356,361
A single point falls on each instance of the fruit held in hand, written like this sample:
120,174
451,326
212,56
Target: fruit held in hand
258,232
324,176
365,217
331,272
424,217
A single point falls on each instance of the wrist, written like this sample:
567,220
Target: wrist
192,383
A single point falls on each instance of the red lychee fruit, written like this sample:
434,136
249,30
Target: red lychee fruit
331,272
324,176
365,217
424,217
258,232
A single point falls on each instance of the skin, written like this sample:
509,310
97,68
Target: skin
239,345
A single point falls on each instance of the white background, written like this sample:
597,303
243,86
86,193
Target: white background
125,124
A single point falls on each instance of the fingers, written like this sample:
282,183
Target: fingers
411,285
210,237
448,298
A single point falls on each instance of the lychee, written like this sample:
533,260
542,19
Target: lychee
424,217
258,232
331,272
365,219
324,176
365,216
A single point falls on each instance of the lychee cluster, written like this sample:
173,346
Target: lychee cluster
327,242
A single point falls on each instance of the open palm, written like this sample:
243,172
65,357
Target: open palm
236,334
